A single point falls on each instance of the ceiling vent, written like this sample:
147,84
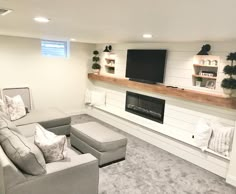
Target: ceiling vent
5,11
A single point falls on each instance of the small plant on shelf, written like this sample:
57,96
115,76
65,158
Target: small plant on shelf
198,81
229,84
96,66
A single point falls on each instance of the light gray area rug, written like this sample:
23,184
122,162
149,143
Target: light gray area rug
150,170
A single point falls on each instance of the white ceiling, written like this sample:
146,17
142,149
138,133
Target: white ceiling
113,21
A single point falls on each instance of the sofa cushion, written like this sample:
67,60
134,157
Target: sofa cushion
52,146
6,123
25,155
15,107
48,118
3,107
98,136
28,131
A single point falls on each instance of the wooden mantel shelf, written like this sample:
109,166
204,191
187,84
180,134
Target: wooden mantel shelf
196,96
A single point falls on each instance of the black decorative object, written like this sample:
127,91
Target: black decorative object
231,57
204,50
228,83
108,49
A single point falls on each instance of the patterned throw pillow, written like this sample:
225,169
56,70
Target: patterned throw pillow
53,146
15,107
221,139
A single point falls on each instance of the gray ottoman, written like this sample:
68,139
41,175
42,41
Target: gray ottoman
106,145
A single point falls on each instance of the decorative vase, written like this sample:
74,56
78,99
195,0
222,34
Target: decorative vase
234,76
233,93
96,71
228,91
198,83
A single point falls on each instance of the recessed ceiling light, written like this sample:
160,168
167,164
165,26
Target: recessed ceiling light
72,39
41,19
147,36
4,12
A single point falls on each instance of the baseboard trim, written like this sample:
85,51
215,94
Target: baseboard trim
77,112
231,180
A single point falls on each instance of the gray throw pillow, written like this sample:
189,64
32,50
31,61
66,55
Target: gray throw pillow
25,155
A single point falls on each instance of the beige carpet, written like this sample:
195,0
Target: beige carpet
150,170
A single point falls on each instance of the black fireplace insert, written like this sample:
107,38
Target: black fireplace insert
145,106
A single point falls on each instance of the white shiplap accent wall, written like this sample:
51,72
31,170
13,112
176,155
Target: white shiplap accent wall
179,66
175,135
180,116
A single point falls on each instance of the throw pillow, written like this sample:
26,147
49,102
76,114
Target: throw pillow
25,155
53,146
15,107
221,139
95,98
202,135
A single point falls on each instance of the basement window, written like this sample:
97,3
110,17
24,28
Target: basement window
51,48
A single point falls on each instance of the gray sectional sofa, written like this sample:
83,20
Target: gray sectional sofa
77,174
51,119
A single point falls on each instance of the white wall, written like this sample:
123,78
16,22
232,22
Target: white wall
55,82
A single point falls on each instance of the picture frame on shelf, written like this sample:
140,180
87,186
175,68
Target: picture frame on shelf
211,84
214,62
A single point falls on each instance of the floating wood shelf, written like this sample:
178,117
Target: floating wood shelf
195,96
198,65
203,76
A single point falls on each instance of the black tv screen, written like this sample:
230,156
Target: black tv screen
146,65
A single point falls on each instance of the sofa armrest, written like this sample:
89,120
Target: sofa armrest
2,186
76,175
82,160
10,175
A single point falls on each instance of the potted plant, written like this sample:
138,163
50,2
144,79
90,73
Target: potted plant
96,66
231,57
198,81
229,84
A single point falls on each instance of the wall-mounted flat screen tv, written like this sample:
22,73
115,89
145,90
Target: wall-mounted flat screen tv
146,65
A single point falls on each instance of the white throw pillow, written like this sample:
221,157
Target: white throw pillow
53,146
222,138
202,135
15,107
95,98
98,98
